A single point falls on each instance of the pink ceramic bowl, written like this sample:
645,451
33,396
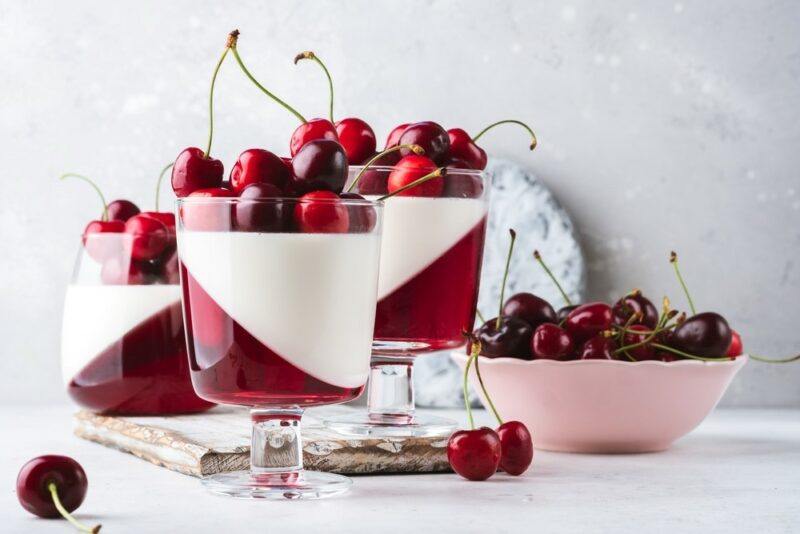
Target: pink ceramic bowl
602,406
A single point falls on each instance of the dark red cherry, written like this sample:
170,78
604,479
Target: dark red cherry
511,340
122,210
362,218
394,135
35,477
530,308
271,216
474,454
259,166
150,237
598,347
736,347
193,171
463,147
208,216
167,218
357,139
643,352
411,168
430,136
319,165
97,244
635,303
315,129
321,212
375,181
562,313
120,270
705,334
516,446
588,320
551,342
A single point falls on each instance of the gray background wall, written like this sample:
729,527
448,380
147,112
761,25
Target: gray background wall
662,125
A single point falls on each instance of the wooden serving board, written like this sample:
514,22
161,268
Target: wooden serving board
219,440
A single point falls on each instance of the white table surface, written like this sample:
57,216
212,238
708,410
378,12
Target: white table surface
738,472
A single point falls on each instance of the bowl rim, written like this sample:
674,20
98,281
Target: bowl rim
460,356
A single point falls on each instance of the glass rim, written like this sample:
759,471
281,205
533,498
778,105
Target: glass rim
389,168
365,202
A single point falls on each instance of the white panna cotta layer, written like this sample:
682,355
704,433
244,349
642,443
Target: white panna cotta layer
97,316
417,231
310,298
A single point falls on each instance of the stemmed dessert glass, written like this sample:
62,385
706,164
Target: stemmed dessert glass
427,293
279,303
123,348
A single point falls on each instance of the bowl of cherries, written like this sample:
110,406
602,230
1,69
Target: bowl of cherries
596,377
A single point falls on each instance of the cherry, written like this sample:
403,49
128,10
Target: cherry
121,271
150,237
551,342
312,130
735,348
633,303
394,135
530,308
430,136
642,352
121,210
588,320
706,334
357,139
207,216
51,486
320,165
321,212
259,166
516,445
474,454
362,217
562,313
598,347
410,169
376,181
101,248
193,171
512,339
464,147
261,216
167,218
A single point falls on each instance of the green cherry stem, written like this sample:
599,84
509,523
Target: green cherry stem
486,393
441,172
311,55
480,315
104,216
475,350
233,40
416,149
508,121
160,179
51,487
690,356
538,257
673,259
513,235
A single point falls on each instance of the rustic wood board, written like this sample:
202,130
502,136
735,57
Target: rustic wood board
219,440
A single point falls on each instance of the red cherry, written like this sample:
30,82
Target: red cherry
362,218
193,171
516,445
530,308
736,347
209,216
474,454
259,166
310,131
551,342
167,218
463,147
36,477
121,210
120,270
101,247
598,347
511,340
258,216
635,303
430,136
321,212
394,135
357,139
643,352
375,181
150,237
588,320
411,168
320,164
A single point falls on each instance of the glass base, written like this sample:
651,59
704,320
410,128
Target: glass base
278,486
371,425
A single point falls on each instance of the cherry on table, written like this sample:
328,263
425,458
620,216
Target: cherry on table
463,147
430,136
312,130
150,237
362,217
551,342
193,170
474,454
259,166
321,212
394,136
255,216
530,308
598,347
121,210
411,168
357,138
512,339
516,445
319,165
633,303
706,334
587,320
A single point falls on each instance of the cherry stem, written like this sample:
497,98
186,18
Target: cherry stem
505,277
311,55
483,388
508,121
480,315
416,149
691,356
621,339
232,41
538,257
51,486
673,259
768,360
104,216
160,178
473,355
207,153
441,172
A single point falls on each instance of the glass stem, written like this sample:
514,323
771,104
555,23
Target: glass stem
391,391
277,446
